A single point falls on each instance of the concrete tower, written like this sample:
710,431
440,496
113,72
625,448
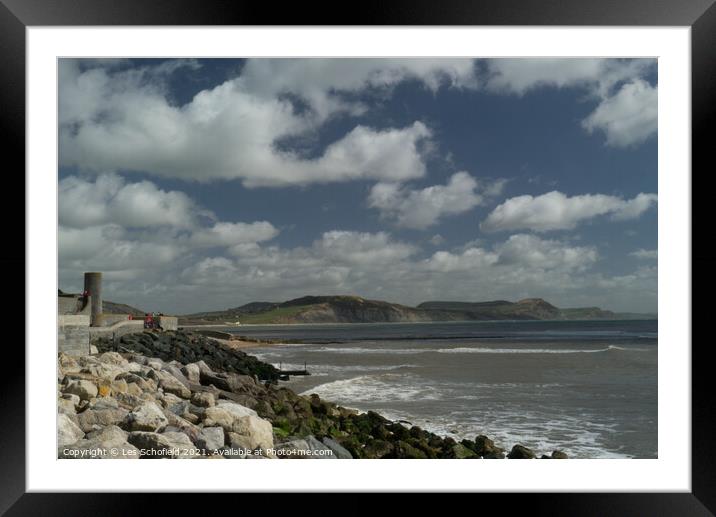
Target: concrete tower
93,285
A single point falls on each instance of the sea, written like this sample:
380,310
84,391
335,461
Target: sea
588,388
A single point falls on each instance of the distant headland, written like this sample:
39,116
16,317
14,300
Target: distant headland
354,309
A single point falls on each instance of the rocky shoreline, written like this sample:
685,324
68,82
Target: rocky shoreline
179,394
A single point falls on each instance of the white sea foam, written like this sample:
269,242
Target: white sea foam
468,350
367,350
579,438
362,368
482,350
375,389
328,369
393,395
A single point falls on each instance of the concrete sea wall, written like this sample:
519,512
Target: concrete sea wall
73,334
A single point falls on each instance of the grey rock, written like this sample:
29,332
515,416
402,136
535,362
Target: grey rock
113,358
203,399
170,385
191,372
461,452
520,452
84,389
256,432
91,419
210,439
339,451
177,374
165,445
110,442
147,417
228,381
104,403
67,406
68,432
185,426
309,448
155,363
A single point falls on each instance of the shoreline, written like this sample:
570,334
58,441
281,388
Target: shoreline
159,391
431,322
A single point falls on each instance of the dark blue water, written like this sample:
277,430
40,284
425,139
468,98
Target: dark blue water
586,387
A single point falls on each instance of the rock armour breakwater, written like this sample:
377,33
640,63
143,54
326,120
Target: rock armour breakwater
181,395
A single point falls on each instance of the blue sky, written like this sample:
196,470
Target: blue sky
205,184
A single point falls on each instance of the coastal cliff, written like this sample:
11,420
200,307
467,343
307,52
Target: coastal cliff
354,309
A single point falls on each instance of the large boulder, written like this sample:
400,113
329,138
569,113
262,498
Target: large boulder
203,399
255,432
308,448
119,386
136,379
170,384
177,423
164,445
187,411
176,372
210,439
147,417
84,389
228,381
203,367
113,358
67,431
155,363
104,371
68,403
191,372
404,450
461,452
487,449
378,449
339,452
91,419
110,442
67,364
520,452
558,455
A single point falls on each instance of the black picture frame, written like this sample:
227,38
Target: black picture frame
700,15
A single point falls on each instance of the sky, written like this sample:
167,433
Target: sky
204,184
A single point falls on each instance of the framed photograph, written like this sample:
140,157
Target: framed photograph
441,237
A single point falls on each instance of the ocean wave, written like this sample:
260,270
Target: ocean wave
540,432
362,368
366,350
403,397
326,369
469,350
480,350
375,389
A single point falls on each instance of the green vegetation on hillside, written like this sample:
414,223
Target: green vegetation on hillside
354,309
277,315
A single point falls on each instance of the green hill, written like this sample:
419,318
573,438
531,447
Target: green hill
354,309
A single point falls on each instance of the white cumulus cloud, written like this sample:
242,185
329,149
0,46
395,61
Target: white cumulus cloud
557,211
425,207
232,234
627,109
317,80
130,230
110,199
629,117
645,254
124,119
